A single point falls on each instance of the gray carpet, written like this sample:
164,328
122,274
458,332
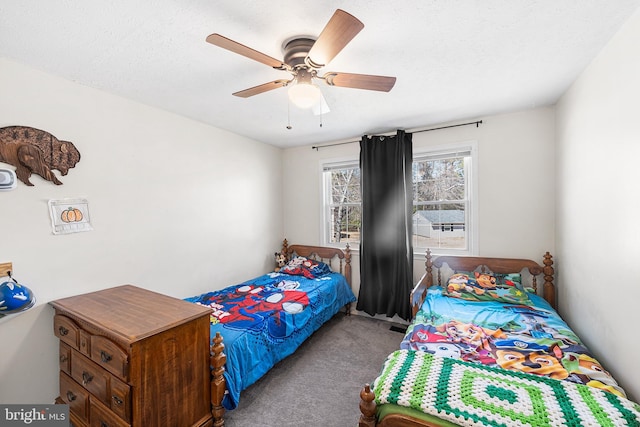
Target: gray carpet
319,385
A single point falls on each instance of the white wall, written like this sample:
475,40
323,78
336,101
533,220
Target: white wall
177,207
515,174
598,231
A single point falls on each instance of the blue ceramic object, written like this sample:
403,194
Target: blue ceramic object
14,298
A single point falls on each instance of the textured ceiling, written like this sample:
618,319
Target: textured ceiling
454,60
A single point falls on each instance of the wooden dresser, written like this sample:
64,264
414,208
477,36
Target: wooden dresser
132,357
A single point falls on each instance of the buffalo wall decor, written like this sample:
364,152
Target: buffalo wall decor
37,151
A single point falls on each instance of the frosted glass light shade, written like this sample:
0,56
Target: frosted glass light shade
304,95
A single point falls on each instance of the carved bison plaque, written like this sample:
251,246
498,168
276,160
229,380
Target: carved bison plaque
33,150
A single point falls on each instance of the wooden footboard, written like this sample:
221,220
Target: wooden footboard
218,384
368,418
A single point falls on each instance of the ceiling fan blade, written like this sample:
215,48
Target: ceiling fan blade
233,46
340,30
262,88
360,81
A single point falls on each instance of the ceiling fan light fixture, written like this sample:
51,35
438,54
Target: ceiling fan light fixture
304,95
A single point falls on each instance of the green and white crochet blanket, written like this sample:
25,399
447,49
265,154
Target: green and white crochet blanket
470,394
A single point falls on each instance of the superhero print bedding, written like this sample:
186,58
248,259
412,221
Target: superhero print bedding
265,319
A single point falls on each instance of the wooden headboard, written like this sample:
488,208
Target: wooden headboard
328,255
484,264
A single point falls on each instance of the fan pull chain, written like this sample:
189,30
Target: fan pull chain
288,113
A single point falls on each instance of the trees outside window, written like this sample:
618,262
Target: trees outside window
442,202
342,203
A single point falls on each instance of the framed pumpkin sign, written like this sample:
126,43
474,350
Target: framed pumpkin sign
69,216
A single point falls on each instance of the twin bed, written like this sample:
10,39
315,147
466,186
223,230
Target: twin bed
257,323
485,349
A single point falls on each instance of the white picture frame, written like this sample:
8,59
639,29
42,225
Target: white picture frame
69,216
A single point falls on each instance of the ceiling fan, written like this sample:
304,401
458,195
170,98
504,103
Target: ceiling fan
303,58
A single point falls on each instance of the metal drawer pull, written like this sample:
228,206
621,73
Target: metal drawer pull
117,400
106,357
70,396
63,331
63,358
103,424
86,378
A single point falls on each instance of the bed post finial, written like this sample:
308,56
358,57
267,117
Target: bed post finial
285,248
218,384
347,263
367,407
549,290
429,267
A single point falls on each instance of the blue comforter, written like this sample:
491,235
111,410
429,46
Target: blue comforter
265,319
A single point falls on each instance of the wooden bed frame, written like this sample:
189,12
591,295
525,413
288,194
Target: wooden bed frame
338,259
368,407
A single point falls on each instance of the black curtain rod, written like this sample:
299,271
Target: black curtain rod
477,123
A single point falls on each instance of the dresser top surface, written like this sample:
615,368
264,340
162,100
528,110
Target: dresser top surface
131,312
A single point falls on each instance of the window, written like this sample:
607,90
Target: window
342,202
443,207
441,200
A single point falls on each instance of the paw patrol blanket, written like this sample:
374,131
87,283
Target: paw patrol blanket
529,338
470,394
265,319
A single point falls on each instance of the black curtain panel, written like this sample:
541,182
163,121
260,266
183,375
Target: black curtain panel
386,252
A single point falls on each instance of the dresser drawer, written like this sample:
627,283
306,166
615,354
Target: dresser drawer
75,396
101,416
84,342
67,330
91,376
121,399
109,355
64,358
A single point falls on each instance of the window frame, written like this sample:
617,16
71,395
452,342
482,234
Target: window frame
471,176
471,214
325,217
